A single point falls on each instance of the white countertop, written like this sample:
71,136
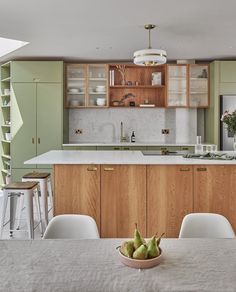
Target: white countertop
127,144
116,157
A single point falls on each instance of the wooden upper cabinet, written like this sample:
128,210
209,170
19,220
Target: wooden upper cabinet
37,71
199,85
79,190
214,190
123,200
169,198
147,86
177,85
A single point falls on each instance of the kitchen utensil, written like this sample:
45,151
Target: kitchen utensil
8,136
74,90
100,88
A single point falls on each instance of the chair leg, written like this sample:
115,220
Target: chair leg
3,213
13,205
49,185
37,205
19,212
29,212
44,198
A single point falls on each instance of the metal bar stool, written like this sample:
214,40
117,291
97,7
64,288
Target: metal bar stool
13,191
44,180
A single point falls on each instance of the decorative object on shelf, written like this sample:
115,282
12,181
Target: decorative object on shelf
129,83
136,83
149,56
132,103
116,103
112,77
229,119
74,102
126,96
204,73
100,88
121,69
156,78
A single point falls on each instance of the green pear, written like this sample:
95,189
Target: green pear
127,248
159,239
140,253
153,250
138,241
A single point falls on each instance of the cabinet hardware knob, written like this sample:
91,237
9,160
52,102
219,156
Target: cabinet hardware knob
32,140
184,169
92,169
38,140
201,169
108,169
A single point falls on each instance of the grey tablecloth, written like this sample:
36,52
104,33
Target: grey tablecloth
93,265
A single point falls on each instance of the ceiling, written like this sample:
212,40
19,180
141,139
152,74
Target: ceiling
113,29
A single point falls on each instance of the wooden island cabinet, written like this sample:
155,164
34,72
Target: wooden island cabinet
169,198
157,197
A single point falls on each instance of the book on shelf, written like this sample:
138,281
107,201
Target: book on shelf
112,77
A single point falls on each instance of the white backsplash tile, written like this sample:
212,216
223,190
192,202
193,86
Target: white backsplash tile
103,125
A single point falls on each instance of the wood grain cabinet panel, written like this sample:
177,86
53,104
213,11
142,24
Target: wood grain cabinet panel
123,200
214,190
169,198
77,190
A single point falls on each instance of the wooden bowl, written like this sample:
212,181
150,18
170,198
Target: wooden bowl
140,264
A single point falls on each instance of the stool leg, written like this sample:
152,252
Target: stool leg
3,213
37,205
29,212
13,204
49,185
44,198
19,211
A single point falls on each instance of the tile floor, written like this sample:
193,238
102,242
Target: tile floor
22,233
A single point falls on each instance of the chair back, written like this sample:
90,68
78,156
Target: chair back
206,225
72,226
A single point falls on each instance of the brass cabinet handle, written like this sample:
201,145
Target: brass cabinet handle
185,148
116,148
38,140
108,168
92,169
201,169
126,148
32,140
184,169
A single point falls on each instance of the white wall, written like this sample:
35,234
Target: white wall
103,125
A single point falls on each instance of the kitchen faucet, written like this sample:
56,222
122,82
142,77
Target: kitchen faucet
122,136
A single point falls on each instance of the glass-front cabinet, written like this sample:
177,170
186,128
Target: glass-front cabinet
177,94
97,85
198,85
86,85
76,85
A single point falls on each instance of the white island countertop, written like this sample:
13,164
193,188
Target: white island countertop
118,157
88,144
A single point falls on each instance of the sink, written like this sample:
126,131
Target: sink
160,153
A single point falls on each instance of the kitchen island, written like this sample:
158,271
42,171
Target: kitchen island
123,187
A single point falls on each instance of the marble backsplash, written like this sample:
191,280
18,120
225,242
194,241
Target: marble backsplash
103,125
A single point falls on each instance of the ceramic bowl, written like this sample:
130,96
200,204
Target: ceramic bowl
73,90
100,88
140,264
74,102
100,101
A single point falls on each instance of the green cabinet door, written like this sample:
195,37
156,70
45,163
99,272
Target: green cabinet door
227,71
49,117
23,113
37,71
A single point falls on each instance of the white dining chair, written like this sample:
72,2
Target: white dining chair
206,225
72,226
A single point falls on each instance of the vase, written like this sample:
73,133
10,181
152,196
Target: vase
123,81
234,143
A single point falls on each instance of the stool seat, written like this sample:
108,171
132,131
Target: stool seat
36,175
21,185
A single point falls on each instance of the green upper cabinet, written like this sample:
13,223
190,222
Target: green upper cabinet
228,71
49,117
37,71
23,113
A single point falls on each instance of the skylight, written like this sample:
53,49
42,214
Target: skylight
8,45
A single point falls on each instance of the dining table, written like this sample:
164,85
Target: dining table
94,265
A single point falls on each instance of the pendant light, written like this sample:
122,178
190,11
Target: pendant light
150,57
